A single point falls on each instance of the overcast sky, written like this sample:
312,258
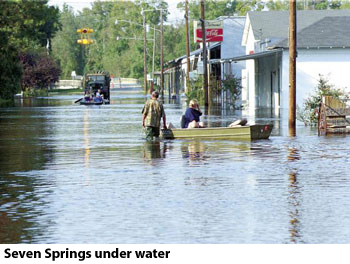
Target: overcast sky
174,16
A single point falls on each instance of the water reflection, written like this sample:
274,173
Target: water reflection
152,151
193,151
294,197
86,138
22,151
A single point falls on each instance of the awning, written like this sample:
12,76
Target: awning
246,57
199,51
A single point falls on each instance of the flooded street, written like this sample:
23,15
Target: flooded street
80,174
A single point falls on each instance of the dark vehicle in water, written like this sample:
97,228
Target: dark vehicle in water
94,82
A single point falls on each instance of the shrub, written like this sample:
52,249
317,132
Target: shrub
233,85
39,71
307,113
195,90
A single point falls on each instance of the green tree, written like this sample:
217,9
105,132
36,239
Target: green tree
65,49
24,26
39,71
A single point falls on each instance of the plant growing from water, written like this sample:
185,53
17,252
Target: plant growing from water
195,90
308,112
233,85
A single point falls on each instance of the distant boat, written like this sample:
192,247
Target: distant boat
92,102
252,132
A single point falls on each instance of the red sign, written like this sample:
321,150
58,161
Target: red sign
212,34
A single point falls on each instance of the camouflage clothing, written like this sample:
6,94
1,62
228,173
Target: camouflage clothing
151,132
154,111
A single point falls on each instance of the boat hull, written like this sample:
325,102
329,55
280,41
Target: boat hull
91,103
253,132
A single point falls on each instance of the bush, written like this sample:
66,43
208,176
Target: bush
233,85
195,90
35,93
308,113
39,71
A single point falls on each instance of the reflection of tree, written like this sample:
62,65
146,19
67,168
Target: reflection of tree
21,151
294,198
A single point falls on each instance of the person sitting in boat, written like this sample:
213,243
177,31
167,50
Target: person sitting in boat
87,96
98,96
192,115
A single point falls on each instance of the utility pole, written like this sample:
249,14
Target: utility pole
144,53
187,43
154,51
205,68
161,55
292,66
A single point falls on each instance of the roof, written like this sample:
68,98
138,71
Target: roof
199,51
328,32
274,25
247,57
193,53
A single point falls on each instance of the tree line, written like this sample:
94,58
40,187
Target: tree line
39,42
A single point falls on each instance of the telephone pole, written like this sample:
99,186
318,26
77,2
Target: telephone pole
161,55
187,43
144,53
292,66
205,68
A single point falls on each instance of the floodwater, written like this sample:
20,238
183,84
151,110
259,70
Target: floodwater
79,174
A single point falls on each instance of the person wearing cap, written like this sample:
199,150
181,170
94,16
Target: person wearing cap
152,113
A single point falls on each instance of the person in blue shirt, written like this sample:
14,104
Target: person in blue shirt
98,96
192,115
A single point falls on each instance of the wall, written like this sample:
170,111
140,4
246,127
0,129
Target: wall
232,44
334,64
267,81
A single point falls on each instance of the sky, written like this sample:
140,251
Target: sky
174,15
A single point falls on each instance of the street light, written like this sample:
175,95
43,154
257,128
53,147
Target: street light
145,29
144,49
161,48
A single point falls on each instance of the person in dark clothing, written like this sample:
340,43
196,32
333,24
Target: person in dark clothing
192,115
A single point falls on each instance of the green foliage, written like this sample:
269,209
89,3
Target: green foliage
233,85
10,71
31,92
65,49
214,8
195,90
308,113
25,25
307,5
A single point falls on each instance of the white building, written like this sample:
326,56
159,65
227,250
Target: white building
323,44
230,47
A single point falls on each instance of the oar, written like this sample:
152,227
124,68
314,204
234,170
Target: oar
79,100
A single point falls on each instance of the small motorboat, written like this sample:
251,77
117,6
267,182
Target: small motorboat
249,132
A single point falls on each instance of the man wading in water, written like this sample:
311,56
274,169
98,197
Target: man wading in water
152,112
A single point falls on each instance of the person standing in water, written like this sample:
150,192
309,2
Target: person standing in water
152,113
